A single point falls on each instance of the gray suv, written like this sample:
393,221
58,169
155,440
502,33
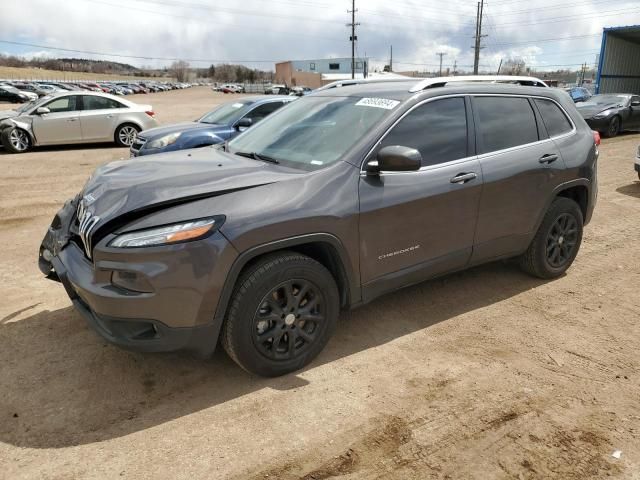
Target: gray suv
342,196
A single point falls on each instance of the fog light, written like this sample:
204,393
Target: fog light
131,281
47,255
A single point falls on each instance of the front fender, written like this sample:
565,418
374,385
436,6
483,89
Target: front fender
23,124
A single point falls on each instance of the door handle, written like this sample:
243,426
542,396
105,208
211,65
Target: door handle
464,177
72,119
109,116
548,158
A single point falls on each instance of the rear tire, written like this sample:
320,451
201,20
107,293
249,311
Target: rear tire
16,140
557,241
283,311
126,134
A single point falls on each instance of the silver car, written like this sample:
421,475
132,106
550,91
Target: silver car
74,117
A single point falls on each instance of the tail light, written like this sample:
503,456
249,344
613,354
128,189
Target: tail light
596,138
151,113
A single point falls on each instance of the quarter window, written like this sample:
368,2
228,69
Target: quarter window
554,119
438,130
505,122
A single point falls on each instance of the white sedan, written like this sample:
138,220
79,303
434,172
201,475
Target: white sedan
74,117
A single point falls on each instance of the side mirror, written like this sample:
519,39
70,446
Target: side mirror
635,103
244,123
42,110
395,158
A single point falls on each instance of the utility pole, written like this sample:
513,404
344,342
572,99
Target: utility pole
440,54
391,59
478,43
455,66
499,66
353,38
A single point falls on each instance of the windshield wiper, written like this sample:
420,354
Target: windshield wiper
258,156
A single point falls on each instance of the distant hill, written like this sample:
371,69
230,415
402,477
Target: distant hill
80,65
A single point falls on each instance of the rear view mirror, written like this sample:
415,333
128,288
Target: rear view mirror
395,158
42,110
244,123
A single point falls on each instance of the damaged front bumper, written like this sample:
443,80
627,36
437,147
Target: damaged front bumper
175,309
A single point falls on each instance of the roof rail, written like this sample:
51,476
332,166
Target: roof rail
442,81
359,81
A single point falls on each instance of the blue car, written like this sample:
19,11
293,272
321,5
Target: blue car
217,126
579,94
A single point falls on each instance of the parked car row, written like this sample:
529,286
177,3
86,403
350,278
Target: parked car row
270,90
21,91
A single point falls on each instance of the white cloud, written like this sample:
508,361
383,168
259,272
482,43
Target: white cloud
288,29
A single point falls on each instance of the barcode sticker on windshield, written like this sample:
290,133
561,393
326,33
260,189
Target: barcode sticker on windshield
378,103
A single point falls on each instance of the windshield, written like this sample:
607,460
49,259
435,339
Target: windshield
313,131
602,100
226,114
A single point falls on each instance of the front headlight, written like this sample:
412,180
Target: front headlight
606,113
168,234
164,141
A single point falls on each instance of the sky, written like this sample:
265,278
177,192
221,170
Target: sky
548,34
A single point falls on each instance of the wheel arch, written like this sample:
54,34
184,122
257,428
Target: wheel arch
122,123
577,190
325,248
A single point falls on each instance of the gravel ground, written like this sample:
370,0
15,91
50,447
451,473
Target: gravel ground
482,374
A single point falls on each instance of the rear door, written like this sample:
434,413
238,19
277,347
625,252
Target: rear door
98,117
414,225
521,167
61,125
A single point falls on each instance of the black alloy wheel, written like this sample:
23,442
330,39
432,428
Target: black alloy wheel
557,241
614,127
289,319
562,240
284,308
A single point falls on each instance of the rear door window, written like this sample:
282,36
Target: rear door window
504,122
93,102
438,130
553,117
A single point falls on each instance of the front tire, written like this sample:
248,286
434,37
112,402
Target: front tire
557,241
15,140
614,127
283,311
126,134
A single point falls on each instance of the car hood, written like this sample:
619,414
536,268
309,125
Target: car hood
179,127
122,191
588,111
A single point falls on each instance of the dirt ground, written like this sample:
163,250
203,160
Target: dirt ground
479,375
